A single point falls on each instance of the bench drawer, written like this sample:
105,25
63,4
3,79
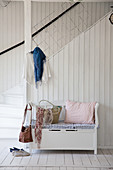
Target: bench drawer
66,139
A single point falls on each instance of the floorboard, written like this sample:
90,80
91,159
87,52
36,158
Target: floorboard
68,158
77,161
55,160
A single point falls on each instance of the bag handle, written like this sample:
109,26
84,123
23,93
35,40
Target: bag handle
47,102
25,112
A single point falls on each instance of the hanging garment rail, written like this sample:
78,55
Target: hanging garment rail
41,29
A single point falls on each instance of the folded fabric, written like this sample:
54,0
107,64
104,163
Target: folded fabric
20,153
46,73
28,69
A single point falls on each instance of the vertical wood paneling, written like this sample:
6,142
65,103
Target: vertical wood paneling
12,26
86,69
66,77
51,81
96,55
81,67
92,66
82,70
76,68
97,64
70,61
60,81
107,80
87,74
101,84
50,40
97,11
111,86
56,77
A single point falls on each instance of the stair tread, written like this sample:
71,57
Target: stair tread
11,106
11,94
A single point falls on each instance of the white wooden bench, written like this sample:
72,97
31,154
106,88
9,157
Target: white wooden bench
69,139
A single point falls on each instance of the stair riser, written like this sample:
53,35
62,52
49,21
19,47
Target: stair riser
18,101
9,133
10,123
10,110
12,115
15,90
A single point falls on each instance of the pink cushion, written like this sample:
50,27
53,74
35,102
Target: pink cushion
79,112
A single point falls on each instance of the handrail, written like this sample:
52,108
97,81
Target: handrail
41,29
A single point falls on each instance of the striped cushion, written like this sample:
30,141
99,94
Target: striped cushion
62,125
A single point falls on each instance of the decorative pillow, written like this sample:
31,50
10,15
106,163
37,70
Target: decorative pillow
77,112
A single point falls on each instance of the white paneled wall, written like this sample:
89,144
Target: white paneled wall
11,32
50,40
62,31
83,71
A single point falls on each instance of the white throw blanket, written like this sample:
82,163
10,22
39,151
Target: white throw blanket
28,71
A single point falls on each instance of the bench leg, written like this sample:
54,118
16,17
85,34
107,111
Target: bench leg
95,151
95,142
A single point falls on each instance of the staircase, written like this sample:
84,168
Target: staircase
11,112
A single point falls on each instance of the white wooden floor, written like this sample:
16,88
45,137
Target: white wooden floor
54,160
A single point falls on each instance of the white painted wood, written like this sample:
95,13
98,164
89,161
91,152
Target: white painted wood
11,28
102,159
56,77
94,74
81,67
95,86
107,79
61,73
51,80
111,84
101,84
43,158
59,158
85,160
70,67
94,160
86,69
51,159
27,27
76,160
76,69
108,156
91,88
63,139
61,136
68,158
12,32
66,67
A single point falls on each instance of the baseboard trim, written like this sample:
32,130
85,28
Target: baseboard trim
105,147
99,147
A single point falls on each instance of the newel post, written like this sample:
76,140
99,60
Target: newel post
27,36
